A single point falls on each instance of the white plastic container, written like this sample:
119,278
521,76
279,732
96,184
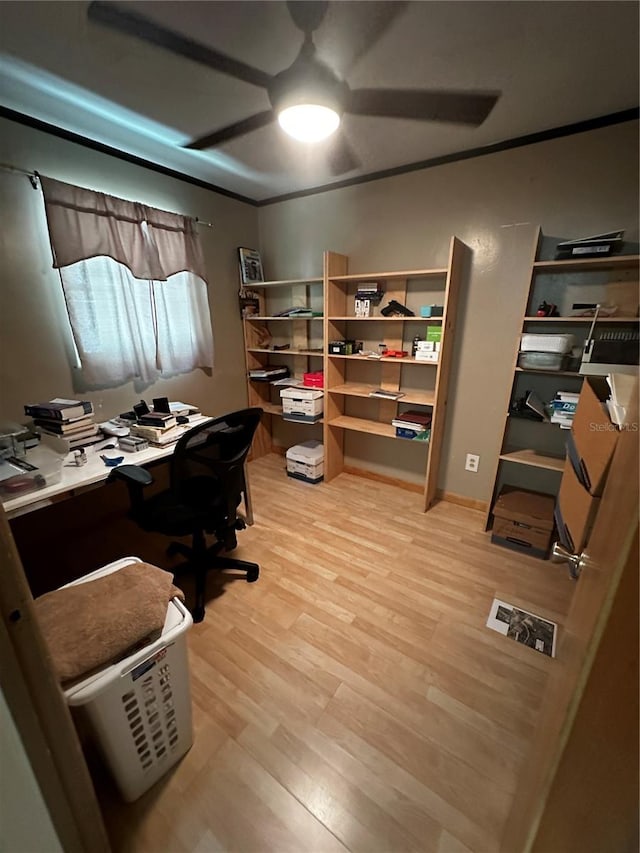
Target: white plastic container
306,461
541,360
547,343
40,467
307,402
139,709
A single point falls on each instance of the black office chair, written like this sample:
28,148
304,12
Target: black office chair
207,483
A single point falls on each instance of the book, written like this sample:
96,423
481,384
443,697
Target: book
86,431
59,409
409,425
415,416
157,419
64,427
156,436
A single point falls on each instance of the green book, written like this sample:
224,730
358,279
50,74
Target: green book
434,333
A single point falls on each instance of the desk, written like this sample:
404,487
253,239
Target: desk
77,478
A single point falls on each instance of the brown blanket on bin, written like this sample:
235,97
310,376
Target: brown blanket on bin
92,624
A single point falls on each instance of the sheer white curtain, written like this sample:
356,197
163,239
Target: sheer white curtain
134,284
126,328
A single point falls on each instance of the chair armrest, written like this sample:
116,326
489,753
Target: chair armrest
132,475
135,478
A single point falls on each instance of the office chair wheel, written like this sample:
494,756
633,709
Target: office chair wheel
240,524
252,575
198,614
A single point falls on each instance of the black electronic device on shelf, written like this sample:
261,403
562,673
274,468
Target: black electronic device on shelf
395,309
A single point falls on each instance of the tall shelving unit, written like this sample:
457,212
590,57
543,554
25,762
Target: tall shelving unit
349,379
265,332
532,453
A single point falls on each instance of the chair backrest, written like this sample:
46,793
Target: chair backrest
209,459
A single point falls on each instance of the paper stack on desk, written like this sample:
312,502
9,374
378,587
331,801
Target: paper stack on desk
158,436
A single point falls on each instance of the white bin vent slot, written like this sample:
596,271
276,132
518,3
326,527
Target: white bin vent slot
137,729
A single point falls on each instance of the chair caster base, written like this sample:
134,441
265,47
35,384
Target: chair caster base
252,575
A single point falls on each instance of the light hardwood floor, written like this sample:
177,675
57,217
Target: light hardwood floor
352,699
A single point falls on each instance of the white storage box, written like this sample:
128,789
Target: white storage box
306,461
139,709
547,343
307,402
541,360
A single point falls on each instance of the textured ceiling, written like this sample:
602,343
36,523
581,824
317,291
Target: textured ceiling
555,63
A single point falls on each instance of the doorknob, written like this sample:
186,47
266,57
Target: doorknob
577,562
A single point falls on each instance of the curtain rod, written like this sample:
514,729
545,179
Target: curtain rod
33,180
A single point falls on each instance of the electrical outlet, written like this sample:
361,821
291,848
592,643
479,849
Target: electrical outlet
472,463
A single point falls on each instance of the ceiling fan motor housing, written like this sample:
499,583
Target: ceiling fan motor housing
308,81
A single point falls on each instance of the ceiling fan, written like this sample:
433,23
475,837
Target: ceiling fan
308,92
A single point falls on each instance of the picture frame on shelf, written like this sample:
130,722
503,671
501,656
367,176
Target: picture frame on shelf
250,266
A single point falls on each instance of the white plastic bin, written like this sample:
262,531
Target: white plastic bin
139,709
306,461
556,343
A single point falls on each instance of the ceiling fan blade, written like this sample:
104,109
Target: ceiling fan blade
341,156
423,105
134,24
307,14
376,20
232,131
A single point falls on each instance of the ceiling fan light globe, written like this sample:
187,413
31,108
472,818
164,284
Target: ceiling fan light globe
309,122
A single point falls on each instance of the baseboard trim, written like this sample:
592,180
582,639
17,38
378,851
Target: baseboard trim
441,495
461,500
382,478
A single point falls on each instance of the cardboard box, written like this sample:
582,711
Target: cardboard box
523,521
575,511
593,437
306,461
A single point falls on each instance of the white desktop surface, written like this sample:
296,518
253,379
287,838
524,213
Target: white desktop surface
94,471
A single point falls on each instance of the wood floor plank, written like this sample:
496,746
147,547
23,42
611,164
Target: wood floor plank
352,699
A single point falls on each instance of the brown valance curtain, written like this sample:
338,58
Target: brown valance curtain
153,244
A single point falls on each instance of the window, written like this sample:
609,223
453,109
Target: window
134,285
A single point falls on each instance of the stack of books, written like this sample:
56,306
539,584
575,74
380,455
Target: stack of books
69,421
564,406
157,428
413,424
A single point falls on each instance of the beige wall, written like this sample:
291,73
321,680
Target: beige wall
33,329
579,185
575,186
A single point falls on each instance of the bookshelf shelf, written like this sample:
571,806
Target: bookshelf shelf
373,360
531,457
364,425
581,265
380,319
354,389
